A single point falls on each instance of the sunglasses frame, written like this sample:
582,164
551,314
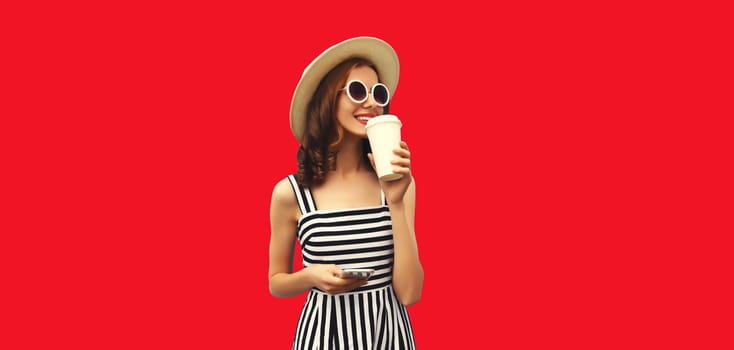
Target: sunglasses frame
369,92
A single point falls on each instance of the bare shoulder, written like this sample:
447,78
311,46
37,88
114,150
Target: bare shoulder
283,204
283,195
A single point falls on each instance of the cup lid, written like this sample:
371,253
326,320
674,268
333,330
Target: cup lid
385,118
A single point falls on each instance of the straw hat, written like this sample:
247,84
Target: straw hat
377,51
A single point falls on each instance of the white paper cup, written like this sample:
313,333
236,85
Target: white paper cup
383,133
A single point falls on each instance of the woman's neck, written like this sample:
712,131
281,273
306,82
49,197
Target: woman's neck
349,159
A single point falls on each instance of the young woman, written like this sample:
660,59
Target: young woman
343,216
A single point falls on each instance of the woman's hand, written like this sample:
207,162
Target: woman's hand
328,279
395,190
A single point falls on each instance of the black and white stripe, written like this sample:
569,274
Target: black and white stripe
369,317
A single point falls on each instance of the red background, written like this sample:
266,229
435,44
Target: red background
572,165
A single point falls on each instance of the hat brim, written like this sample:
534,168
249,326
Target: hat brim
377,51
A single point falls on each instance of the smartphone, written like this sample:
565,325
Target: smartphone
357,273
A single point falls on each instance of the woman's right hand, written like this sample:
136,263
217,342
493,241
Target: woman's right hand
328,279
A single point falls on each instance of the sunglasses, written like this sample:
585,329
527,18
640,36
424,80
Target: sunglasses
357,92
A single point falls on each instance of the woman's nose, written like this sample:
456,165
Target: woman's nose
370,101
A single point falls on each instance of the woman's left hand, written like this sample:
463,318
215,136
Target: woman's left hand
395,190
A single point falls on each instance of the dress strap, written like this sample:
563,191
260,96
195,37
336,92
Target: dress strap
303,196
382,196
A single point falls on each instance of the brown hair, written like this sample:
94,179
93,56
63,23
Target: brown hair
323,134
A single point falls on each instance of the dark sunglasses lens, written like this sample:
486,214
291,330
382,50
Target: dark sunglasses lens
358,91
380,94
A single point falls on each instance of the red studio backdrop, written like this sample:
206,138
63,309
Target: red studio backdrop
572,165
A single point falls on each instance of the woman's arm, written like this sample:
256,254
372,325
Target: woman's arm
407,274
407,268
283,218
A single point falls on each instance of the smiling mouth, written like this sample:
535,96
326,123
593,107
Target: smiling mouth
362,118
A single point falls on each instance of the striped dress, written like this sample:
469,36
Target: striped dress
369,317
